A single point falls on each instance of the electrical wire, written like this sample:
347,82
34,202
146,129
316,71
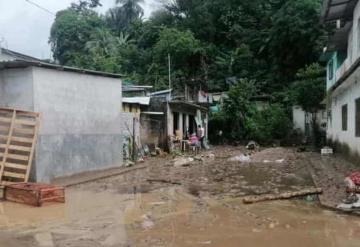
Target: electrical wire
41,7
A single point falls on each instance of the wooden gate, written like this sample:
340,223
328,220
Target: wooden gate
18,136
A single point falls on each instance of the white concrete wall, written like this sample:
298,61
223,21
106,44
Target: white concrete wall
16,89
353,39
299,118
82,125
75,103
347,93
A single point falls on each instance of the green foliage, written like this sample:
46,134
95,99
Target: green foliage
244,120
69,34
266,125
120,18
308,91
212,41
295,37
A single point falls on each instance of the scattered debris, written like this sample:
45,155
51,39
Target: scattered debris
199,158
301,149
326,151
241,158
147,223
205,242
129,163
285,195
252,145
182,161
163,181
211,156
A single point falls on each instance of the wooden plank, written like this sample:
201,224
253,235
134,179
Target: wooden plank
281,196
21,139
32,148
18,130
14,156
24,122
13,175
5,120
23,131
4,156
15,166
20,112
17,148
5,128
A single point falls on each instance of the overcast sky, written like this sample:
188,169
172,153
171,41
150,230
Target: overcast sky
25,28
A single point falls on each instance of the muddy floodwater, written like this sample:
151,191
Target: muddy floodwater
172,217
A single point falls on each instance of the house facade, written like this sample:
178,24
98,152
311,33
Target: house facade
82,127
343,74
184,110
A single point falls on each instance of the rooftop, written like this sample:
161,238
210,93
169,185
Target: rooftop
18,56
137,100
338,10
24,64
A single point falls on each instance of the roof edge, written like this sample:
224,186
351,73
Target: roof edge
24,63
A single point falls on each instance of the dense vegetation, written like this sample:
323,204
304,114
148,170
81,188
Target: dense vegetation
258,47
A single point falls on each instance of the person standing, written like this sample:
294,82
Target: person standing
201,135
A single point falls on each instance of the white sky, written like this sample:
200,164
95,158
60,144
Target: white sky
26,28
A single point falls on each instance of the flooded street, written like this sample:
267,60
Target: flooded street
172,217
203,208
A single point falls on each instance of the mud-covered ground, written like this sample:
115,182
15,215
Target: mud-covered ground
194,201
218,173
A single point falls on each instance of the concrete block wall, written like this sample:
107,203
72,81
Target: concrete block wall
82,124
16,89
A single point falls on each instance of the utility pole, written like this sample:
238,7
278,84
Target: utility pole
134,141
169,64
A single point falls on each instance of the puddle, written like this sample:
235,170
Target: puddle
80,204
172,217
232,223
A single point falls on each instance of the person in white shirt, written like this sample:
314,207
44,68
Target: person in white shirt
201,134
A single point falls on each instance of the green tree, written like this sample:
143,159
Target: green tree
69,34
295,37
120,18
308,91
238,106
184,50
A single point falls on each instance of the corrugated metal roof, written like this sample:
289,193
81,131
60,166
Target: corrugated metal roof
167,91
18,56
24,64
137,100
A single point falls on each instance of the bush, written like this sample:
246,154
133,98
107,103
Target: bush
263,126
267,125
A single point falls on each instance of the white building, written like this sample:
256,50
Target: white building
343,74
82,127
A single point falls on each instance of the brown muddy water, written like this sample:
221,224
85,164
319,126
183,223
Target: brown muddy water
172,217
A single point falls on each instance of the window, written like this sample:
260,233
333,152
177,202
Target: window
331,70
344,117
357,117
